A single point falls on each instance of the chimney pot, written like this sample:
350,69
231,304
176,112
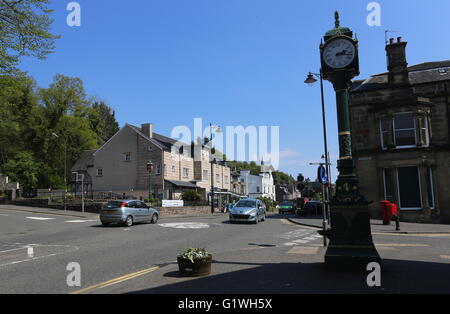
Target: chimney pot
399,39
391,41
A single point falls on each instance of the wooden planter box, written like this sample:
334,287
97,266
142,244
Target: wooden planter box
200,267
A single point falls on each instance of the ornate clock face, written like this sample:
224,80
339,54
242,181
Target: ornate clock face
339,53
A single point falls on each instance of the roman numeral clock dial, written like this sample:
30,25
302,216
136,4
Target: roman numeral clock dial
339,53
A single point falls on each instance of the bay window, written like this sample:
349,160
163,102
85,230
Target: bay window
405,130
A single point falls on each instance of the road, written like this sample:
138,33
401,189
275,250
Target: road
272,257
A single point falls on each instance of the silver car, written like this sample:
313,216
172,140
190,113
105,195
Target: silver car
248,210
127,212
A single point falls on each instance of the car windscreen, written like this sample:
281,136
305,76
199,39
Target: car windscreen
113,204
245,204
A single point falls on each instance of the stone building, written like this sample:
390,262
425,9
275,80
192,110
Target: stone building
401,136
120,166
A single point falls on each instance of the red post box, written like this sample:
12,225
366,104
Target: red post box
394,210
386,212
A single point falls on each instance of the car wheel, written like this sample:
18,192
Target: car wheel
264,217
129,221
154,219
256,220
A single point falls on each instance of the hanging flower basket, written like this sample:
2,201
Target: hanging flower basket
194,263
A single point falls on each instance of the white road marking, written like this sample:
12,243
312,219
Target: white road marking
40,218
4,215
186,225
300,236
32,255
80,221
304,250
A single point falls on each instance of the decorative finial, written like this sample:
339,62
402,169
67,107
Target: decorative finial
336,16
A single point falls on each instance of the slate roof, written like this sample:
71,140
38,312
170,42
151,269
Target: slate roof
86,159
427,72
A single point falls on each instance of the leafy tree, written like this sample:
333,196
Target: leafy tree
282,178
24,31
191,195
103,121
23,169
19,115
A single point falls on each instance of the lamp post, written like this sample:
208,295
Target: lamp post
213,162
311,80
150,170
65,168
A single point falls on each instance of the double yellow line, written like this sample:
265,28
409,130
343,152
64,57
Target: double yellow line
116,280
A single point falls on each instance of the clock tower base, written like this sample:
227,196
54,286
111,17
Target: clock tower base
351,244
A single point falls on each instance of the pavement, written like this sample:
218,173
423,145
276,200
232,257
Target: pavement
86,215
377,226
274,257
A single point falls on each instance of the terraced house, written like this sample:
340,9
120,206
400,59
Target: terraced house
120,166
401,136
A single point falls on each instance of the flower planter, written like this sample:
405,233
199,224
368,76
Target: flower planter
200,267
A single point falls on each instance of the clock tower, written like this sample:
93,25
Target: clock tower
350,236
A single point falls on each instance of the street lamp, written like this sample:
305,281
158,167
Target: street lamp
150,170
65,168
213,162
311,80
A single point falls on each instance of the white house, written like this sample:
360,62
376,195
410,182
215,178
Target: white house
259,186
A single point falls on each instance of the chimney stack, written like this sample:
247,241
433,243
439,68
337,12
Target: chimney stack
397,64
147,129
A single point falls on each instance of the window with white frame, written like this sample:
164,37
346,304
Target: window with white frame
185,172
405,130
205,174
158,169
127,156
407,183
99,172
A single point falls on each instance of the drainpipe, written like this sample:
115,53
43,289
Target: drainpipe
447,104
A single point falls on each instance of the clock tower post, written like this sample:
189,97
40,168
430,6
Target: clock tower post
351,242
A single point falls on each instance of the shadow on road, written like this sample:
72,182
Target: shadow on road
398,276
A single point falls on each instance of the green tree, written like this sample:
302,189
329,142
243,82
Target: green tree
23,169
24,31
19,115
191,195
103,120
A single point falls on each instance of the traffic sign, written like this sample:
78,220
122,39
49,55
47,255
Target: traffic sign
322,175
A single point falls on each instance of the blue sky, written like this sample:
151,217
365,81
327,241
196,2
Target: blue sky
230,62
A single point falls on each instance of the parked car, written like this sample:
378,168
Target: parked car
127,212
248,210
287,207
